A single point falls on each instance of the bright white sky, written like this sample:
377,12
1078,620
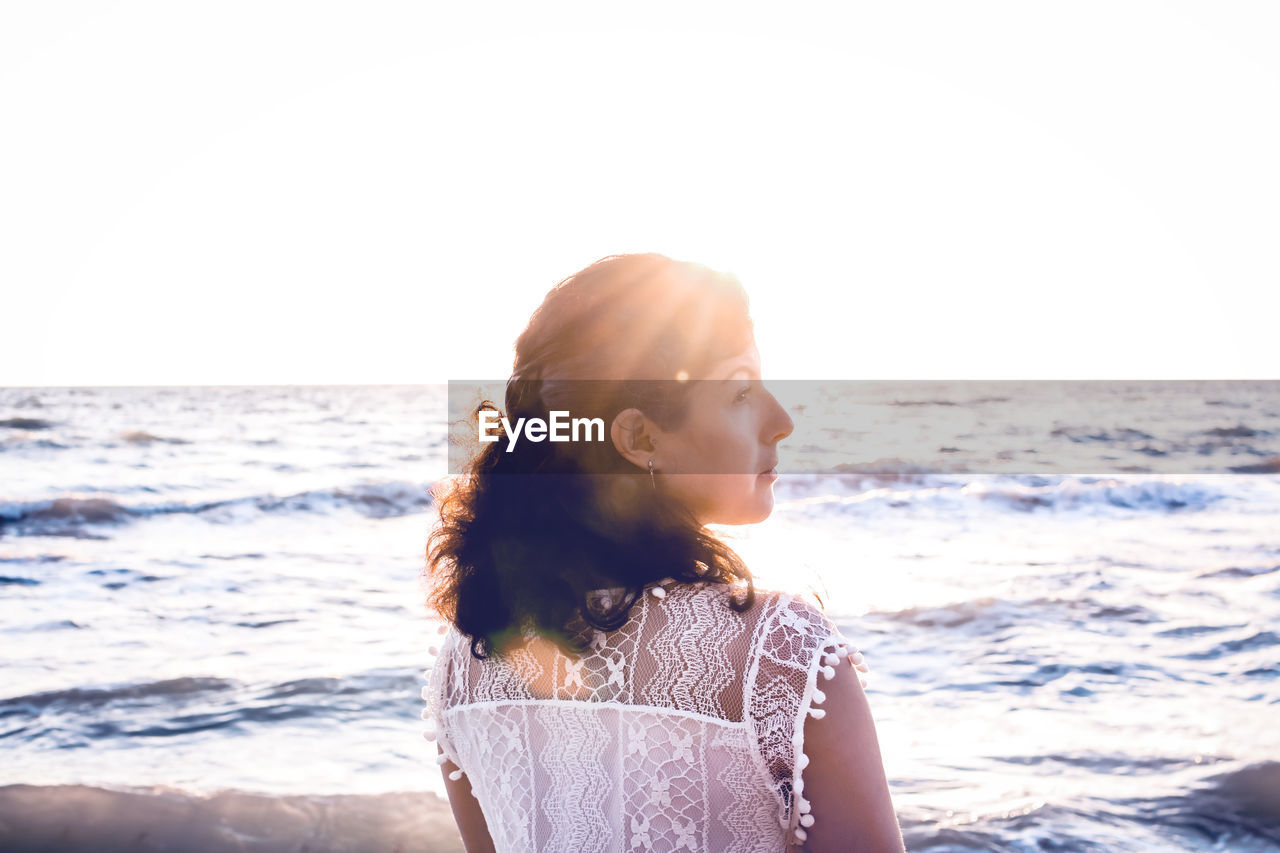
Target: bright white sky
307,192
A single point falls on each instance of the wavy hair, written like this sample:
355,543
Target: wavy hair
526,535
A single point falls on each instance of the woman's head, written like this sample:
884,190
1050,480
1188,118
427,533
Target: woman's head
632,340
631,317
663,352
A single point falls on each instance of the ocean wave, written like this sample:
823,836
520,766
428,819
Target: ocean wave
1078,494
995,612
1253,790
1260,640
889,471
71,514
26,423
193,704
89,696
1270,466
933,491
1238,810
952,615
1240,572
1112,764
138,436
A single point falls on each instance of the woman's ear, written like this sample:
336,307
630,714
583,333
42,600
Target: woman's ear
634,437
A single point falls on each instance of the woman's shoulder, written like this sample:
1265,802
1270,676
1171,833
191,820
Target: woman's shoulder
783,615
794,629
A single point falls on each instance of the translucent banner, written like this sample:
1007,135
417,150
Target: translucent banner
885,427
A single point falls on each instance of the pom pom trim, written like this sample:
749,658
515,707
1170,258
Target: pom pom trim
830,655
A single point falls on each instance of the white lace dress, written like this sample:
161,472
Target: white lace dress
682,730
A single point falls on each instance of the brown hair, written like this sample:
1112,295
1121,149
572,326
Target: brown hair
525,535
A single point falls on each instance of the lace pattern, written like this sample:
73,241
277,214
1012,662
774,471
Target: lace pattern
682,730
796,639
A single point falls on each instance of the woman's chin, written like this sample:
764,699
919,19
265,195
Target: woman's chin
758,511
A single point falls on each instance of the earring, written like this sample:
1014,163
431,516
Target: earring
652,481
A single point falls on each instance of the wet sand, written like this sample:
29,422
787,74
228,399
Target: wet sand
96,820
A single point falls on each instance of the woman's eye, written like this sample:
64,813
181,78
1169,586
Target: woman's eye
742,395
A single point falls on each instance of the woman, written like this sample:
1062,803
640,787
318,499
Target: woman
610,678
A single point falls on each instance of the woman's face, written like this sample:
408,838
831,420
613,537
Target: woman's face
721,461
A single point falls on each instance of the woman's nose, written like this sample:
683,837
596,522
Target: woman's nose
788,428
783,423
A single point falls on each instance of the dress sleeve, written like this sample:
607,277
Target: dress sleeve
435,693
798,644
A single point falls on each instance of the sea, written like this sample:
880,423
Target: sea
213,633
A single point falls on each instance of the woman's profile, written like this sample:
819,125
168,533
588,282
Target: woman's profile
610,677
